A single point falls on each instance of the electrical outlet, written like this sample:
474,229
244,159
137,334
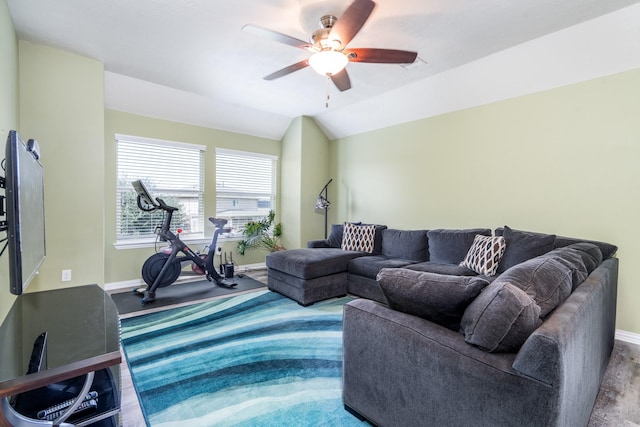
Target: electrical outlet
66,275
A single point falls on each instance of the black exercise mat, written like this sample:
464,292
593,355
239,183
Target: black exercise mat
128,302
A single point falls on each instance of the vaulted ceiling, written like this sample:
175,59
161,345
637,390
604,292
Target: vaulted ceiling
190,61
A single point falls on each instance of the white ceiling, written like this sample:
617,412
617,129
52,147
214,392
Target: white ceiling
189,60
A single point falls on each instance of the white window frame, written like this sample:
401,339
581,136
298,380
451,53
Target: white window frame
148,240
244,197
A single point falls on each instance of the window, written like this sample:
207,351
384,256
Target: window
245,186
173,171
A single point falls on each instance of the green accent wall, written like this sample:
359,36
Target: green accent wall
125,264
304,171
62,107
8,121
563,161
291,185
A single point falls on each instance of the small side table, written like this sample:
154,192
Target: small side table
83,338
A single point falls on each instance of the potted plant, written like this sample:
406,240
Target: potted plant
261,234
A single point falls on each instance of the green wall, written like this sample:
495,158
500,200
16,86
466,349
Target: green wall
124,264
315,174
62,106
8,121
304,170
291,185
562,161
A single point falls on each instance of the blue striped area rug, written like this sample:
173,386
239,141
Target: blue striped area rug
257,359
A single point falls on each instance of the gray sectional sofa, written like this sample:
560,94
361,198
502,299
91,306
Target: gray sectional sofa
324,270
434,343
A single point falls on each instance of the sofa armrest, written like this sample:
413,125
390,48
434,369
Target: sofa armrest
571,349
400,369
322,243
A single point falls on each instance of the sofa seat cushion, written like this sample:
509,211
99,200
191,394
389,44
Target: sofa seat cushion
545,279
309,263
500,319
441,268
406,244
451,246
436,297
370,266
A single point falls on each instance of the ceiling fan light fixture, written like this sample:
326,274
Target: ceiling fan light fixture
328,62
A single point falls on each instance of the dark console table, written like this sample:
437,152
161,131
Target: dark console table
82,353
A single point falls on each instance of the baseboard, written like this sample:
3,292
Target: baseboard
185,278
629,337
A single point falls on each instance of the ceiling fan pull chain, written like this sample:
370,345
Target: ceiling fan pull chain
327,103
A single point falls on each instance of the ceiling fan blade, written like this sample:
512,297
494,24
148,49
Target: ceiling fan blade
288,70
348,25
381,56
341,80
276,36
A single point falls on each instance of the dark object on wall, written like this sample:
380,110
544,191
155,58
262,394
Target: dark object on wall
24,192
322,203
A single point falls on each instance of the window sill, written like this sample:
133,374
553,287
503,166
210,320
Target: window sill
151,243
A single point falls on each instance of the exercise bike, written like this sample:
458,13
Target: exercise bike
163,268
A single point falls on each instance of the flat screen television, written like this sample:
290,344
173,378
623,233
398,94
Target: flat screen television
24,192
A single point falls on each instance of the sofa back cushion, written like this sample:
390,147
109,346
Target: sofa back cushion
522,246
406,244
590,253
435,297
607,249
451,246
335,236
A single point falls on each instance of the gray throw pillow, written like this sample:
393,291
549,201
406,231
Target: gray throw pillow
522,246
607,250
572,259
546,280
335,235
435,297
451,246
590,253
500,319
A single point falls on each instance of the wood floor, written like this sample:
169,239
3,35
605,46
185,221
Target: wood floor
618,403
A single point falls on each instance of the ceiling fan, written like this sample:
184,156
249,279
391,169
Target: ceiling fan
329,46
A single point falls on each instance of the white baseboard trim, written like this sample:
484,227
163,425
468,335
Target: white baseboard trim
629,337
137,283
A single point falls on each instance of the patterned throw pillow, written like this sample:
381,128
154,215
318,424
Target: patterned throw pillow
485,254
358,237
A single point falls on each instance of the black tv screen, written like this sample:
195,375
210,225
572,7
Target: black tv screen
24,192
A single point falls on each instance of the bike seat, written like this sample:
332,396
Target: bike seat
218,222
